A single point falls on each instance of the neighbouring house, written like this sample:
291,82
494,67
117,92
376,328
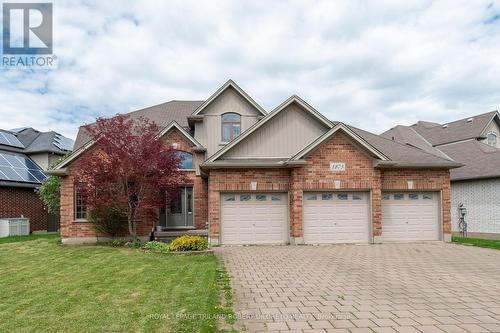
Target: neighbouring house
288,176
25,154
473,142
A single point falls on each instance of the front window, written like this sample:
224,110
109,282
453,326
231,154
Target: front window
187,160
231,126
492,139
80,205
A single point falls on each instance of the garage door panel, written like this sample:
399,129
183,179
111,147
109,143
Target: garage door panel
410,216
254,218
330,217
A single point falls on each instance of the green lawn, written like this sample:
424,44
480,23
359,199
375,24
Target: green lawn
16,239
489,243
48,287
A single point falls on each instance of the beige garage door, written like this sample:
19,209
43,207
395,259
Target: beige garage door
254,218
332,217
410,216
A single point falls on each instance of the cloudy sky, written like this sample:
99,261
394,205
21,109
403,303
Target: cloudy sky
372,64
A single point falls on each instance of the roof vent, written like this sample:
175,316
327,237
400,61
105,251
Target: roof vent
445,126
470,120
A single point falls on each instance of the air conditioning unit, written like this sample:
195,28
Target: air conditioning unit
17,226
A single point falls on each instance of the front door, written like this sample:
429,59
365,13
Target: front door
180,211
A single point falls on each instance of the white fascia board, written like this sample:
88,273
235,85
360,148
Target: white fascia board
350,133
229,83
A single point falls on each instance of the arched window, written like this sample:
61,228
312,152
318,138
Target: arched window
231,126
187,160
492,139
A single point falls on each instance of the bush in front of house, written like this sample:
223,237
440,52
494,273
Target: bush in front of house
118,242
155,246
110,221
189,243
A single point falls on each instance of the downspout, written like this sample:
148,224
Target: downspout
209,236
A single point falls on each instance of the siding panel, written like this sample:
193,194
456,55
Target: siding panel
208,132
481,198
284,135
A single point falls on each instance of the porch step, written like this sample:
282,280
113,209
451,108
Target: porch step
169,235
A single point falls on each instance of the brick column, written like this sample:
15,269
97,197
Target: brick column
446,204
376,194
296,216
214,213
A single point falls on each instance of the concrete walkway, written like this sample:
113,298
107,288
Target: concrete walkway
424,287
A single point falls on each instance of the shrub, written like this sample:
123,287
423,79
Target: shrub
189,243
118,242
137,243
108,220
155,246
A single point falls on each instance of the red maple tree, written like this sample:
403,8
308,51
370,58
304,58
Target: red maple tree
128,168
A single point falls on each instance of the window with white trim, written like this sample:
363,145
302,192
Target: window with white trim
80,204
492,139
231,126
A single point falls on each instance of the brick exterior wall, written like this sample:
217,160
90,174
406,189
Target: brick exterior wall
17,201
70,228
360,175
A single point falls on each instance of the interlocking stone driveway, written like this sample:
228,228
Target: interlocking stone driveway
425,287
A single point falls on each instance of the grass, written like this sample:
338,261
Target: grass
16,239
488,243
45,286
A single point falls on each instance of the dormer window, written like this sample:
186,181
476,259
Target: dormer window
231,126
492,139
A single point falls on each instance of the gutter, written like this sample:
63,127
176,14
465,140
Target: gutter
230,165
57,172
417,165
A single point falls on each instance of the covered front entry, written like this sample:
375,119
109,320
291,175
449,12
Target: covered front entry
411,216
179,210
335,217
254,218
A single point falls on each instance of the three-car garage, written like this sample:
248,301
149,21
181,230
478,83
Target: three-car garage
329,217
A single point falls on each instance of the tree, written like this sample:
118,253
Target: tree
49,190
49,194
128,167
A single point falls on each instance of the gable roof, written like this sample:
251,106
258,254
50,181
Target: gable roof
184,133
346,130
480,160
31,141
454,131
402,155
408,135
228,84
292,99
161,114
173,124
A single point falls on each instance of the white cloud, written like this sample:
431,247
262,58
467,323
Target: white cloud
371,64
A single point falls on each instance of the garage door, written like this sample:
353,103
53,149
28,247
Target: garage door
331,217
410,216
254,218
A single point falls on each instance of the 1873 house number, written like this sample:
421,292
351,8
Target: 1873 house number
337,167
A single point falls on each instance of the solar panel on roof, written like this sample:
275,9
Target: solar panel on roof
17,167
63,143
10,139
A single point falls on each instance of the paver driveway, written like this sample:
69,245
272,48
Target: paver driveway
426,287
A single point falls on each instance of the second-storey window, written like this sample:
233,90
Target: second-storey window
231,126
186,160
492,139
